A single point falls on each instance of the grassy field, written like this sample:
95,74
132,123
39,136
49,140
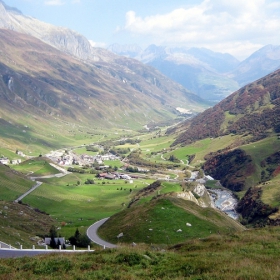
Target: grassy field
12,183
250,254
158,149
69,200
9,154
271,192
36,167
19,224
163,221
258,152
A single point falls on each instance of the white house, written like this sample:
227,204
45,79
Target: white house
4,160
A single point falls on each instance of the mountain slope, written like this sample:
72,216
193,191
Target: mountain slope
42,85
250,162
253,110
200,70
163,220
119,68
259,64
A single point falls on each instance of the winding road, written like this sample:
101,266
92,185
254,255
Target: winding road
93,236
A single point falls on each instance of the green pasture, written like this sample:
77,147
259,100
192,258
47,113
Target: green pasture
9,154
168,187
201,148
79,204
39,136
263,148
36,167
271,192
258,152
156,144
113,163
12,184
163,221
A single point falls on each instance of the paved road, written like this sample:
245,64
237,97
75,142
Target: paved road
28,192
92,234
63,173
18,253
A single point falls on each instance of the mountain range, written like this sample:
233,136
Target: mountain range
52,77
211,75
54,74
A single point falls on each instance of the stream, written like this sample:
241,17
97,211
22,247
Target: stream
225,201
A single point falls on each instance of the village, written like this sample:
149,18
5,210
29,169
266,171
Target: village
69,159
7,161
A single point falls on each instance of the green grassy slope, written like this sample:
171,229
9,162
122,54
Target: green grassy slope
80,205
12,183
250,254
246,255
163,221
20,224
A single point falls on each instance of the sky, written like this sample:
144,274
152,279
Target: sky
238,27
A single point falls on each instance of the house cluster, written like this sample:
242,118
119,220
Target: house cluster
193,178
116,176
5,160
20,153
72,158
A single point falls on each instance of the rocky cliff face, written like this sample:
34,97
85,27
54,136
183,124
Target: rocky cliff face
63,39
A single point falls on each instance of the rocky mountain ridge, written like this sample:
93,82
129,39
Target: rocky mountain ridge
211,75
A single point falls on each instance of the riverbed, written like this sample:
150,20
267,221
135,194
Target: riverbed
225,201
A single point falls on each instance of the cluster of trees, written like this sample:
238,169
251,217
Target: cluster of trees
173,158
76,170
92,149
119,151
129,141
132,169
80,240
82,170
89,182
53,235
269,165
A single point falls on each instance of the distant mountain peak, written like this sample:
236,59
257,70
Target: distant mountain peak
8,8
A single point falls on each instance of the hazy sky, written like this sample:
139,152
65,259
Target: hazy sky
239,27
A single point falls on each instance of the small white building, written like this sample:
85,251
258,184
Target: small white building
4,160
16,161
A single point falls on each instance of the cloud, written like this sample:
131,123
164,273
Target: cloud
240,26
54,3
60,2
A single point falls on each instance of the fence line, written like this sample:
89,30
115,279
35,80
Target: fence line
10,248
